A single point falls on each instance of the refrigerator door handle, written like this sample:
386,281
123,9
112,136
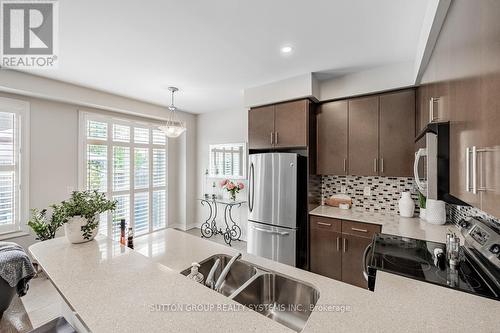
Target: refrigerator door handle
281,233
251,189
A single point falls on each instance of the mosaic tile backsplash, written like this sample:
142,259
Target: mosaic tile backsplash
385,191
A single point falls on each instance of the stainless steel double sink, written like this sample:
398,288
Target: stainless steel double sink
282,299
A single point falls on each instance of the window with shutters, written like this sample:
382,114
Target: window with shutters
227,160
127,160
14,140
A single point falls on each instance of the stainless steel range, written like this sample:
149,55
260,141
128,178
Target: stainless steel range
477,270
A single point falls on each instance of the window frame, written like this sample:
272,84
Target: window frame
21,165
243,162
111,120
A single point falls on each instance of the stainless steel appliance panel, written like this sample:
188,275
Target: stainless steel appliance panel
270,242
273,189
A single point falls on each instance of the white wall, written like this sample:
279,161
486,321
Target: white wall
368,81
301,86
212,128
54,159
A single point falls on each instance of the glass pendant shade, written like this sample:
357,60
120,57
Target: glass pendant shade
173,128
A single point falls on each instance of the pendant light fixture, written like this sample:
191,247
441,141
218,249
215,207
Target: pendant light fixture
173,128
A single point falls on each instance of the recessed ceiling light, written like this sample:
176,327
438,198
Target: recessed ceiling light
286,49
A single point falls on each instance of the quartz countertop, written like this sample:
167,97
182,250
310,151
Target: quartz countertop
112,289
391,224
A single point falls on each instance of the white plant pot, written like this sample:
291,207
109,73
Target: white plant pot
423,214
406,205
73,230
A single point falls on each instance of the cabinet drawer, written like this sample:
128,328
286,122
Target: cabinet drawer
325,223
360,229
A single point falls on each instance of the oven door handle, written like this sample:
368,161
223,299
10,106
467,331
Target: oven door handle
365,268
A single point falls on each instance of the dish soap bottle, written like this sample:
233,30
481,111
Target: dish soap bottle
195,275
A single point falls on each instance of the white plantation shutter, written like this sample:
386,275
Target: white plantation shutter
127,161
226,160
121,168
13,164
141,167
159,164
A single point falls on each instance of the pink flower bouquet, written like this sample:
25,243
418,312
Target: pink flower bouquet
232,187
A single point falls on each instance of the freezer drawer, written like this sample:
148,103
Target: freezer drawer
278,244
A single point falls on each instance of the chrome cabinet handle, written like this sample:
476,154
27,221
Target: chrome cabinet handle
474,170
338,244
432,101
325,224
345,244
345,165
375,165
272,140
276,138
467,169
360,230
382,165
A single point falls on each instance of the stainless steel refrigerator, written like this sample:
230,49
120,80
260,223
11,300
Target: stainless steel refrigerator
274,221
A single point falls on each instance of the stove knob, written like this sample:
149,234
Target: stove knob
464,224
495,249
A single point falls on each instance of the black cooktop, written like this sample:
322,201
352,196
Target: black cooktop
413,258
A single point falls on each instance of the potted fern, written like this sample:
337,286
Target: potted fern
82,212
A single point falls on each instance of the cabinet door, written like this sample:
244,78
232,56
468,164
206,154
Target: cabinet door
353,249
363,136
397,125
261,127
465,129
422,109
325,247
332,138
291,123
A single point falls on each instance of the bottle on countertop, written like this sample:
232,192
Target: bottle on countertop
130,238
195,275
122,232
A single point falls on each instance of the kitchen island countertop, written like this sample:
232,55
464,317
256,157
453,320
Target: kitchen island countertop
114,289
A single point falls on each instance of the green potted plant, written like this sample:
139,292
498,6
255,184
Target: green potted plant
46,229
82,212
421,203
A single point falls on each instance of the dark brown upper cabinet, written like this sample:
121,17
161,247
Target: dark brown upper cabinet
261,127
332,134
363,136
290,124
397,125
283,125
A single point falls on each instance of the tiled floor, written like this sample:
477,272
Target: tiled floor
238,245
43,302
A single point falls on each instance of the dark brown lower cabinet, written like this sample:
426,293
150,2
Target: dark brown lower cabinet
326,245
337,248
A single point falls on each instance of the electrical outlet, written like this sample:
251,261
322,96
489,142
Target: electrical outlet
367,191
343,189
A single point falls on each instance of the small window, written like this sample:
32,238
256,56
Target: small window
227,160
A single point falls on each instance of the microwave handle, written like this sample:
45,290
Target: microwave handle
418,155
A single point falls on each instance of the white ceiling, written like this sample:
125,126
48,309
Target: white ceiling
212,50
